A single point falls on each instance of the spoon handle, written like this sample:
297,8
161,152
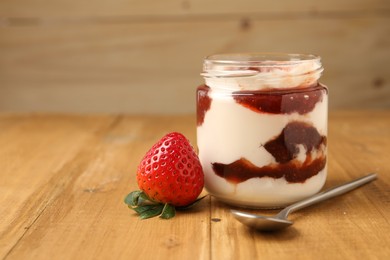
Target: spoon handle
338,190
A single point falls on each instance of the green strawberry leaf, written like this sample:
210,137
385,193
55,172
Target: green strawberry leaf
147,208
141,209
132,198
144,200
144,196
168,211
153,211
138,198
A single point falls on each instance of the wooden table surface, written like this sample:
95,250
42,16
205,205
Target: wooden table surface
63,179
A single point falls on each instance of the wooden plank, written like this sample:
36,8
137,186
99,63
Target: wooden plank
63,8
72,206
119,68
85,217
352,226
32,152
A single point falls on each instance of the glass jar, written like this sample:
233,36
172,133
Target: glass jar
262,128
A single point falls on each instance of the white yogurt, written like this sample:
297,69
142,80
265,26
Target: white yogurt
231,131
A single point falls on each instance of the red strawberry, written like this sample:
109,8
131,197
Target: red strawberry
170,173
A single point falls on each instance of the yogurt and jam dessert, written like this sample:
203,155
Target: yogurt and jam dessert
262,128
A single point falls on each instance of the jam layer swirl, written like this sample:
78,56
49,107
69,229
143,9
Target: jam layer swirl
284,148
286,101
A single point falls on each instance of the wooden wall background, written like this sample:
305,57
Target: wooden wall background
145,56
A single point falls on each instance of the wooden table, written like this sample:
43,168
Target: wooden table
63,179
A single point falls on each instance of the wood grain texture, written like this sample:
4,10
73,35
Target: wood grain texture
153,67
80,201
63,181
85,8
130,56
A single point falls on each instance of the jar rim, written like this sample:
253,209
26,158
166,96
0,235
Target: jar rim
260,58
269,69
233,65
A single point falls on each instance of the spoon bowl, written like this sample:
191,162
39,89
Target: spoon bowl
260,222
280,221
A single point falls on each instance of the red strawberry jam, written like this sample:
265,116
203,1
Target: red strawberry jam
203,103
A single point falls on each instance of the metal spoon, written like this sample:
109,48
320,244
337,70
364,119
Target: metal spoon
280,220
